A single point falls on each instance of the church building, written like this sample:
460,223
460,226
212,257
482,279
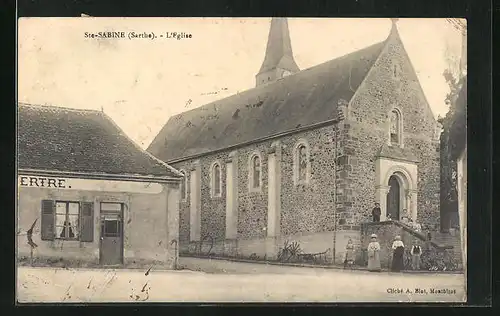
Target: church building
304,156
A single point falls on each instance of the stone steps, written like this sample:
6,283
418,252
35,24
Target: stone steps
449,240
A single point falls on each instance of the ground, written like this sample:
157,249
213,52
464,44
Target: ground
224,281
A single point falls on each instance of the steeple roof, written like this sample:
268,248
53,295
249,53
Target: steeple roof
279,52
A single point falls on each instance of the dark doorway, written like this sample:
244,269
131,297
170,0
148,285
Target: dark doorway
393,198
111,247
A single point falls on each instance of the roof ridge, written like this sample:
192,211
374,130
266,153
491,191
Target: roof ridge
255,89
55,107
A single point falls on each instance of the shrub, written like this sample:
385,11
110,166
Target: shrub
438,260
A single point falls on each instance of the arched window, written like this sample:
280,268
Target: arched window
255,172
302,163
396,70
183,186
216,180
395,127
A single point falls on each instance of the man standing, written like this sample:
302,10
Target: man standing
376,212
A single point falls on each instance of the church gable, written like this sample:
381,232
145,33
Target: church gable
393,86
392,132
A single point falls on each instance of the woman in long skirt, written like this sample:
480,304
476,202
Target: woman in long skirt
374,254
349,254
398,249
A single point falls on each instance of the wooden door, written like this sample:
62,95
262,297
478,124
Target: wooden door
111,246
393,199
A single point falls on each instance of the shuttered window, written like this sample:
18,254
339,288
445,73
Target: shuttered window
48,217
67,220
87,220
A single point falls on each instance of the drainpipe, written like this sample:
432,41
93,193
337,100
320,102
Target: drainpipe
335,134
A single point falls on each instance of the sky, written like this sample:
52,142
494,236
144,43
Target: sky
141,82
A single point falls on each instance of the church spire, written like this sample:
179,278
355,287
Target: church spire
278,61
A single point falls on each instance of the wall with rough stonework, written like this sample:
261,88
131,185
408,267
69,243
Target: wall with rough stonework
305,208
252,206
368,129
308,208
213,209
184,205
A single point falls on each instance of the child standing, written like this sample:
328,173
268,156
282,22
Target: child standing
416,251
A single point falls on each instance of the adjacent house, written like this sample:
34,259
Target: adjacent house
88,195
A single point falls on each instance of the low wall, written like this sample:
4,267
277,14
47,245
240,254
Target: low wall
316,246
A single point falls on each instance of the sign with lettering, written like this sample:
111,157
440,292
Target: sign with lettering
58,183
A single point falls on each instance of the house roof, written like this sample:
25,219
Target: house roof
69,140
458,129
304,98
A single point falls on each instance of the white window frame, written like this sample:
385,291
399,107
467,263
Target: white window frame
76,227
212,179
296,163
251,186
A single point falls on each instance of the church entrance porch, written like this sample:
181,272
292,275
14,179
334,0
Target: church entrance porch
396,188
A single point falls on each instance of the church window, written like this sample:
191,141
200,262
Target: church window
302,163
216,180
395,127
396,70
184,186
255,172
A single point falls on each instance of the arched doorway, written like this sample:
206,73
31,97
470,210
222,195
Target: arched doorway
394,198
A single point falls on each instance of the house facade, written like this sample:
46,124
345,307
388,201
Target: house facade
88,196
304,155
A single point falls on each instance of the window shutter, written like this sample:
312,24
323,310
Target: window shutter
87,222
48,218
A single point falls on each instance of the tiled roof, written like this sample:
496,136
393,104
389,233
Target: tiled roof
396,152
302,99
61,139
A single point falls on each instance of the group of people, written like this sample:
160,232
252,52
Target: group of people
398,247
398,250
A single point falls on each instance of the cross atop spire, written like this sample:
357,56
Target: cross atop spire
394,27
278,61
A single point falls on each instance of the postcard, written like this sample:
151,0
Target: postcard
241,160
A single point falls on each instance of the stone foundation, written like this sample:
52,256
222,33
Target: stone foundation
317,245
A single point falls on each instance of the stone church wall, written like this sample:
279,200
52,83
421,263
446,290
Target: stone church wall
305,209
368,130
